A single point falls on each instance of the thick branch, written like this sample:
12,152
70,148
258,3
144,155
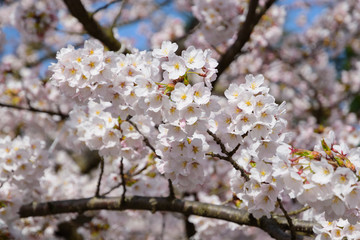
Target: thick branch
252,19
94,29
272,226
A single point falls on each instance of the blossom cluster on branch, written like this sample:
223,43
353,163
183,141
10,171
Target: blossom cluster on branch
225,118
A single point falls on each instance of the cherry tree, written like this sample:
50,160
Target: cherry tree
226,127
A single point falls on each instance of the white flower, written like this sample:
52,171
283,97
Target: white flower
182,95
259,131
338,206
196,173
201,93
179,149
195,149
167,48
156,101
253,84
93,48
245,122
194,58
247,102
265,203
169,110
342,179
175,66
262,172
353,196
323,171
233,92
191,113
93,64
310,193
144,86
262,101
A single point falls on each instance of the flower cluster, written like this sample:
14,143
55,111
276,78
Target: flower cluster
252,121
339,229
122,97
23,161
35,19
221,22
325,179
148,88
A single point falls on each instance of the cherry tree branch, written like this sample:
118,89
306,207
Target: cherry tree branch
171,190
77,9
296,212
228,155
288,219
274,226
97,192
31,109
123,181
243,36
104,7
118,15
146,140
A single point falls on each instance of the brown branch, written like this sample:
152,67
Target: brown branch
288,219
31,109
296,212
104,7
146,140
112,189
228,155
118,15
233,163
243,36
272,226
94,29
97,192
171,190
218,141
123,181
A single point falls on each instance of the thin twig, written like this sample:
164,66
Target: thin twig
31,109
289,220
296,212
103,7
233,162
171,190
112,189
228,155
146,140
135,20
118,15
219,142
243,36
130,176
140,170
97,193
234,150
123,181
70,32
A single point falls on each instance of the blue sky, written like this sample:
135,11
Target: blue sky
130,31
293,14
290,23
